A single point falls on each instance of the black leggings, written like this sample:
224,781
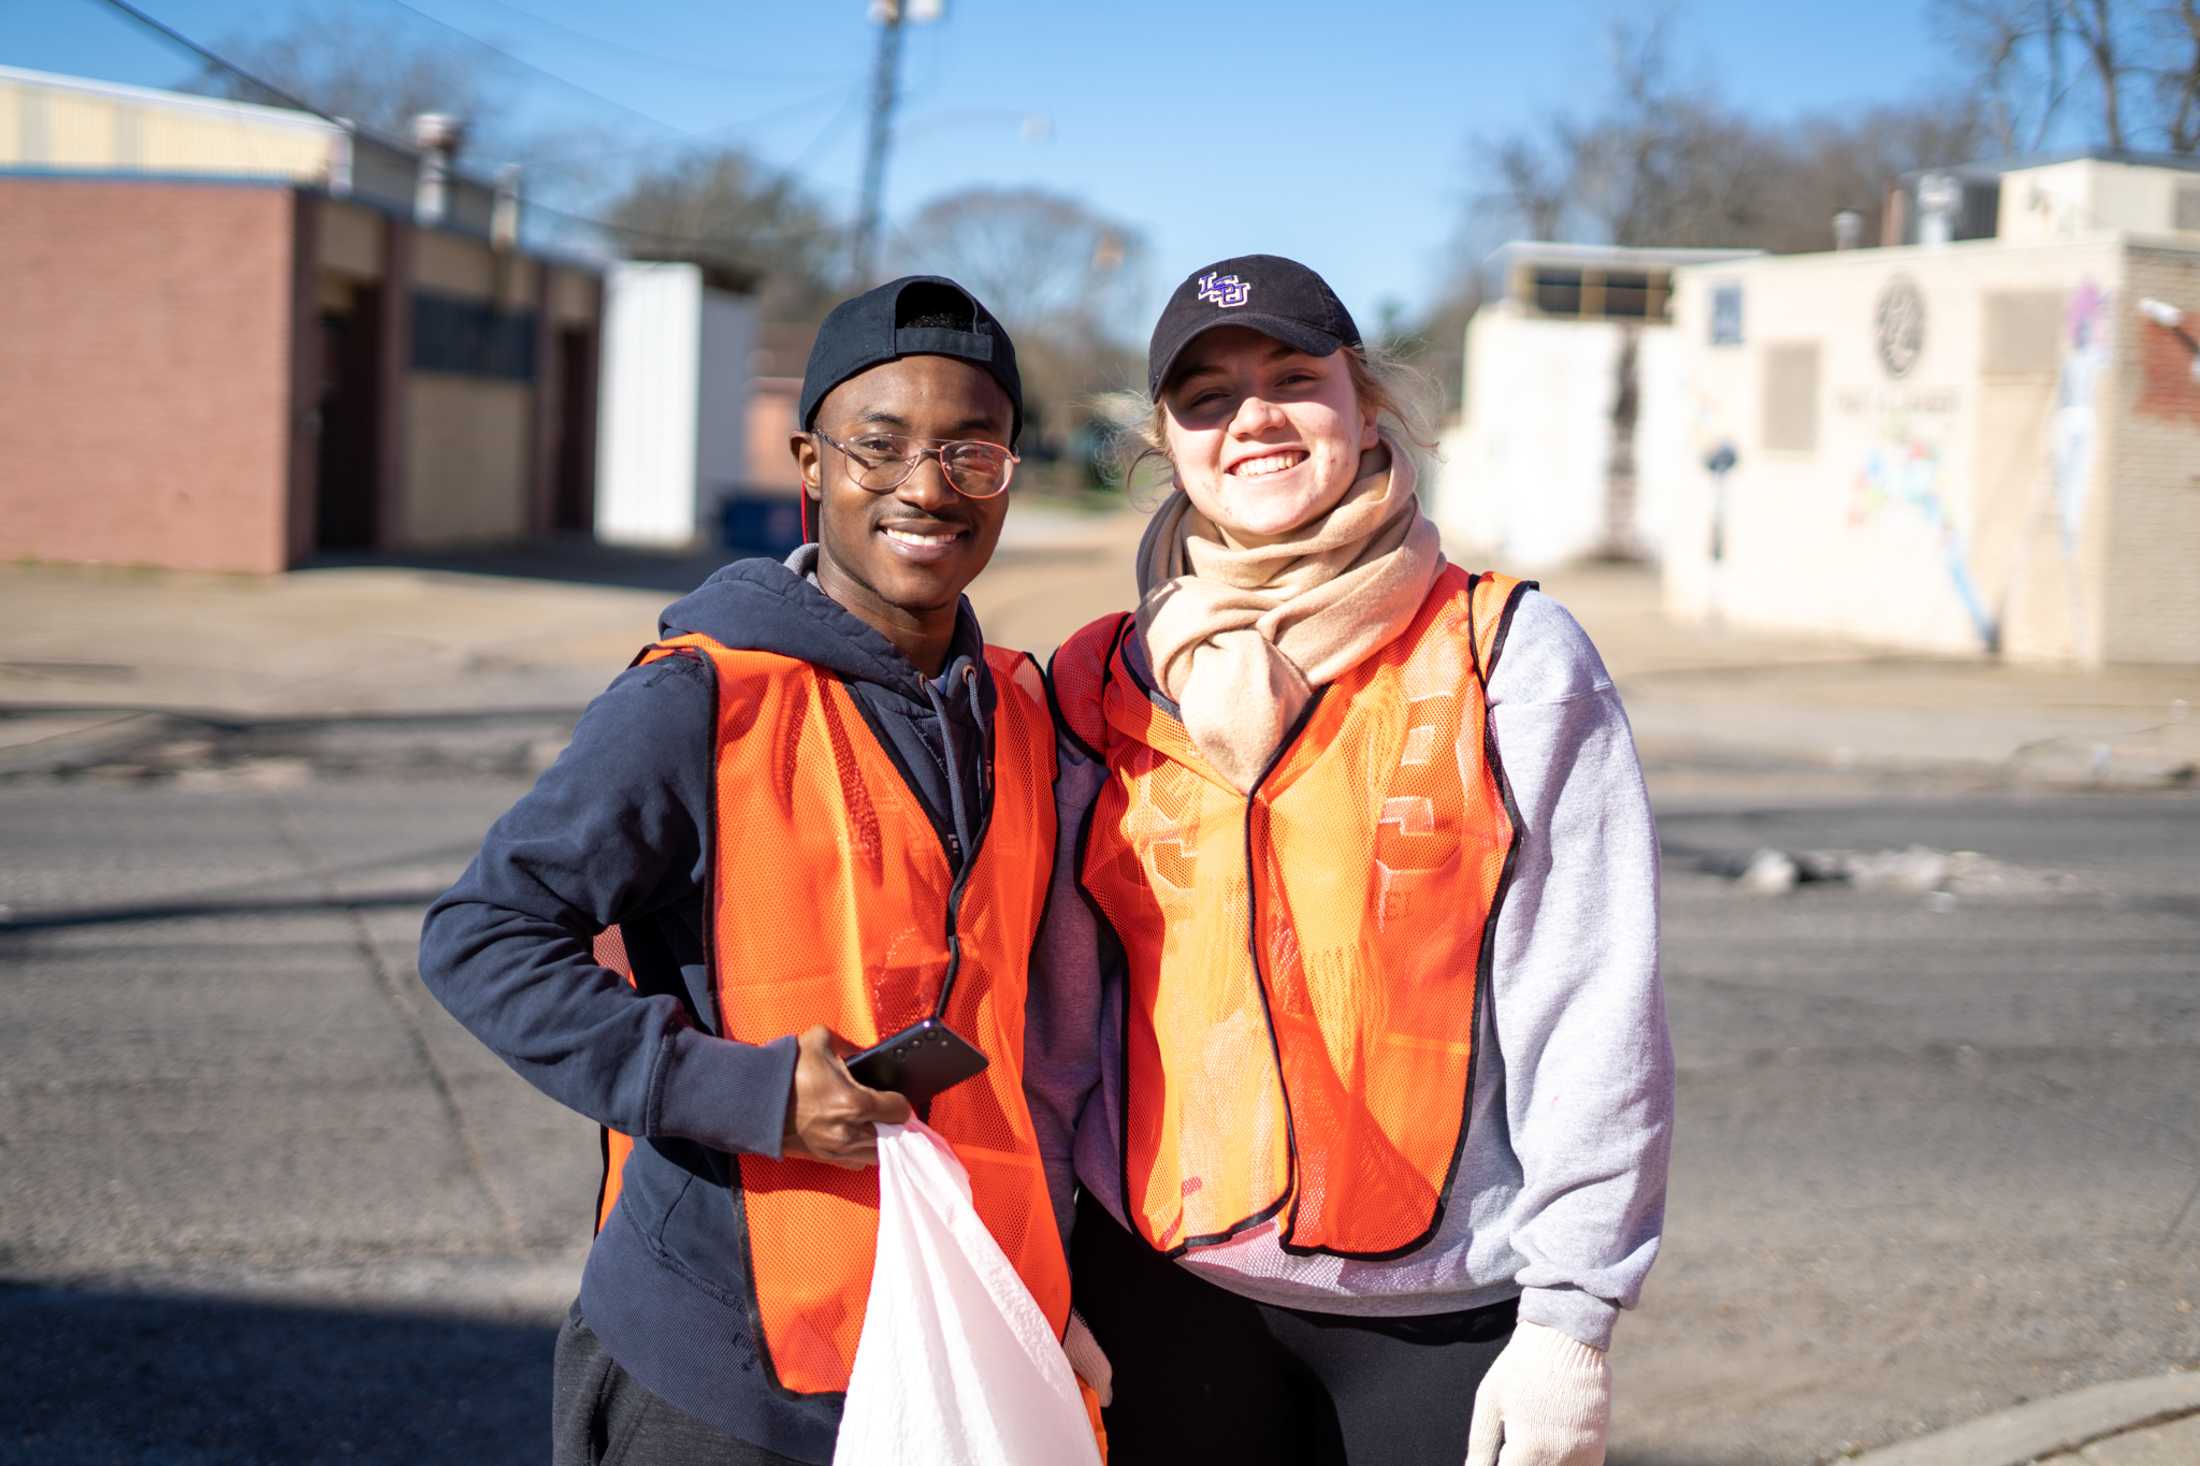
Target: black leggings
1202,1374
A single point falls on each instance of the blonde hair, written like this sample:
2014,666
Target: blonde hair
1402,395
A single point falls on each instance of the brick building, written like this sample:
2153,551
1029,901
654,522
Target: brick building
239,336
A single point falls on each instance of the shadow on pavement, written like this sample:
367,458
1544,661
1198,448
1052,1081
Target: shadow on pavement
585,562
578,560
189,1381
181,910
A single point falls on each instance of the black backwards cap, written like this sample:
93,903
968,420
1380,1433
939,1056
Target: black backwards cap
1280,298
873,328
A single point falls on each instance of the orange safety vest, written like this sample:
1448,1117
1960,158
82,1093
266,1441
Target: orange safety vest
831,900
1305,963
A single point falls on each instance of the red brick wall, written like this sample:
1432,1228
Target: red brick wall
145,344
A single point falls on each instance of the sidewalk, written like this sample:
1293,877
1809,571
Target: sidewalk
1694,692
2141,1422
100,665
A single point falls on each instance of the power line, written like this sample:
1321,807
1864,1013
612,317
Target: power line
717,73
179,38
527,65
761,119
693,241
733,251
766,179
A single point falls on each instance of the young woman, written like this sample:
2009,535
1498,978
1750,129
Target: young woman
1353,1020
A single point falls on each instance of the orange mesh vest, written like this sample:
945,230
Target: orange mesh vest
831,900
1305,963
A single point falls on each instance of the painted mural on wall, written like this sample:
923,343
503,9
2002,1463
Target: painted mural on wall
1903,480
2071,431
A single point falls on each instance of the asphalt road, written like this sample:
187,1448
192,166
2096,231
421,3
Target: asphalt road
261,1201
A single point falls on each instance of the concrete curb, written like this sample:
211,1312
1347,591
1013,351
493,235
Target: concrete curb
2050,1427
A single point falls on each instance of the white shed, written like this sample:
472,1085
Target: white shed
672,439
1567,384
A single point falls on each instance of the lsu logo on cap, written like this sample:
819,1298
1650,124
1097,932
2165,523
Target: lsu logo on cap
1224,290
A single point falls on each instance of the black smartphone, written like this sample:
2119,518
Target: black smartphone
917,1063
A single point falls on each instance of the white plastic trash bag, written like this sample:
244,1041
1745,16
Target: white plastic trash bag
956,1365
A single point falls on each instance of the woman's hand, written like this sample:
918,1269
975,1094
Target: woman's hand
1086,1358
830,1117
1547,1401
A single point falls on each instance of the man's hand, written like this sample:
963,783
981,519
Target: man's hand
830,1116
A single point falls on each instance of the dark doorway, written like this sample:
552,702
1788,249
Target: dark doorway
573,445
349,404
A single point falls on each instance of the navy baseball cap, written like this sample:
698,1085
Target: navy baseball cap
1277,297
877,327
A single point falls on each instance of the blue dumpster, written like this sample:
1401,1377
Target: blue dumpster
760,524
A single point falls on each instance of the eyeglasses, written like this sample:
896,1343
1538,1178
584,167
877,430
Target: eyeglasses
882,462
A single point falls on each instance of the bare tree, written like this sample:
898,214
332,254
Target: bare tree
351,68
1664,163
1831,163
1063,278
2135,63
2094,25
1660,162
1030,255
721,205
1530,177
2177,80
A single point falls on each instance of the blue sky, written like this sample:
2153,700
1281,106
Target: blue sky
1338,133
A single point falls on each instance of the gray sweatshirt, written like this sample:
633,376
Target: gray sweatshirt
1560,1193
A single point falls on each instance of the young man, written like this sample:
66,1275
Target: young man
815,812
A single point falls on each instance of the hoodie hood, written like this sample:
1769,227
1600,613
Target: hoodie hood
767,605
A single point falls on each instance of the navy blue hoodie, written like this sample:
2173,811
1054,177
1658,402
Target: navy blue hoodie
617,831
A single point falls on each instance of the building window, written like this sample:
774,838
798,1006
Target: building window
1791,398
1596,293
1558,292
2188,208
1726,315
1627,295
471,338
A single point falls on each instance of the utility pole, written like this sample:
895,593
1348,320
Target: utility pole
889,16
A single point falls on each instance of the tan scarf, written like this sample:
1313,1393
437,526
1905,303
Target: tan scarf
1241,635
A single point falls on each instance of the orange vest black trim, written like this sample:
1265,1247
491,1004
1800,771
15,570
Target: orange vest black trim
1306,963
831,899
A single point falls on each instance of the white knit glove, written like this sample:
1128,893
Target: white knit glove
1085,1357
1548,1399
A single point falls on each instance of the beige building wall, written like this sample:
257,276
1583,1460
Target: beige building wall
55,122
469,450
467,268
1921,438
2087,196
466,459
453,264
2152,611
354,240
574,296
